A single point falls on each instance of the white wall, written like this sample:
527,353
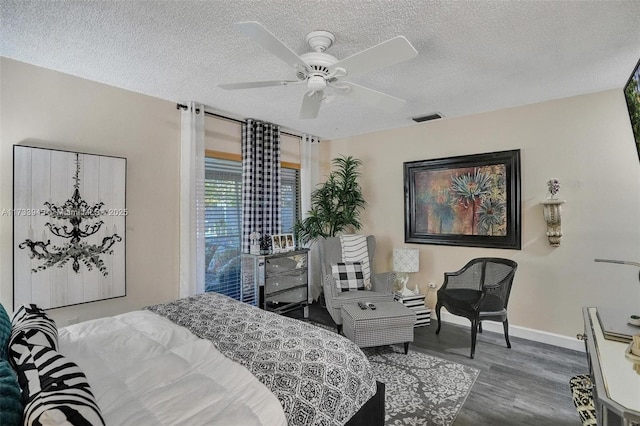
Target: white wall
586,142
54,110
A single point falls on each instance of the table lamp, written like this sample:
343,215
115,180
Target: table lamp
406,261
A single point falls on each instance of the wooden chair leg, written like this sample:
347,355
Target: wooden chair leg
505,325
438,307
474,332
406,348
479,326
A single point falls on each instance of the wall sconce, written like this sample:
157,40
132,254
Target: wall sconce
553,212
553,217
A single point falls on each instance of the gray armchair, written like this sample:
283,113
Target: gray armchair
381,284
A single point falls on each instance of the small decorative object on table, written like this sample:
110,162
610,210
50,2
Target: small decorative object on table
633,353
416,304
554,187
254,248
265,244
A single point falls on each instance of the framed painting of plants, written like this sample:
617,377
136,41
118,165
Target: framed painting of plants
470,200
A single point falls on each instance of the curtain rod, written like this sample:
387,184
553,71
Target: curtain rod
211,114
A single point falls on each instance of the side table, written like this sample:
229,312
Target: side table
416,303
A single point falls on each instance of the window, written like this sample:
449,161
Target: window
222,225
290,190
223,220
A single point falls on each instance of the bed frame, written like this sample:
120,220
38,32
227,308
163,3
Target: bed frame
372,412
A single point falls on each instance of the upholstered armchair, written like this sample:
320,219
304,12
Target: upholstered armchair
330,250
479,292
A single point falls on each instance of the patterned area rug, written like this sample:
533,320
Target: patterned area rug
421,390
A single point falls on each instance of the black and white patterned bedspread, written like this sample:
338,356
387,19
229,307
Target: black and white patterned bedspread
320,377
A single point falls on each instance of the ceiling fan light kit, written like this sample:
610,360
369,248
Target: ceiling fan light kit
320,70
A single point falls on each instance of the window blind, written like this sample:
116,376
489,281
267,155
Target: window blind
290,208
223,223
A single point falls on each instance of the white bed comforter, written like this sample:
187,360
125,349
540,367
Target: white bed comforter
145,370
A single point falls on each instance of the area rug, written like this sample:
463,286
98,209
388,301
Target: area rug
421,390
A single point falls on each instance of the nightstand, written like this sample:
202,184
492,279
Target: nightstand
416,303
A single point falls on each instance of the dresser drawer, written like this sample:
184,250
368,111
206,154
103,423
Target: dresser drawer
285,280
282,264
294,295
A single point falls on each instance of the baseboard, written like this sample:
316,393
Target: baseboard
517,331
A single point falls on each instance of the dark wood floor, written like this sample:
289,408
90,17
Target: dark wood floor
525,385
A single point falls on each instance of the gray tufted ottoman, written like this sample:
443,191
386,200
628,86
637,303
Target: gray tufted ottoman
389,323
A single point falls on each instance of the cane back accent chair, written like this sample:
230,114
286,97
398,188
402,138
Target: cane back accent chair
330,251
479,292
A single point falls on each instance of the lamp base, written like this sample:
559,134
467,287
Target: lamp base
406,291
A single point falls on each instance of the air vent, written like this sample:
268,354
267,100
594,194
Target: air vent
434,116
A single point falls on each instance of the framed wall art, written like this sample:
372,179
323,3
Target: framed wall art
69,223
471,200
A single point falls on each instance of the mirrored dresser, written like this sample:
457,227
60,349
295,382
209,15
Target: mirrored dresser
281,280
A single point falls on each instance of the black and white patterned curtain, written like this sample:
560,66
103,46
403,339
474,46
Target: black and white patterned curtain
260,180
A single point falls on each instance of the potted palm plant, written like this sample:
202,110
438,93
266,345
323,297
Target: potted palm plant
336,204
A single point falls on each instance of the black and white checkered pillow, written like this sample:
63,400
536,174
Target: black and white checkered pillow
348,276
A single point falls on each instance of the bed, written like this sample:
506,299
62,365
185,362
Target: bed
212,360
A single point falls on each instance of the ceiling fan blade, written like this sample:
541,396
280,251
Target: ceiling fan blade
369,96
311,104
393,51
255,84
264,38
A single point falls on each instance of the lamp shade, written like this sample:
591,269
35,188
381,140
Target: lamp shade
406,260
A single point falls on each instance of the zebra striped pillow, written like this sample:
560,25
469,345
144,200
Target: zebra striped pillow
54,390
30,325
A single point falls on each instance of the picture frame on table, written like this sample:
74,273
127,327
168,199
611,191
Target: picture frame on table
471,200
281,243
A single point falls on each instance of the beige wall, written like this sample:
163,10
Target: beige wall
55,110
226,136
586,142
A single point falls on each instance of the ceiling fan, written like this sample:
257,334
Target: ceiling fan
319,70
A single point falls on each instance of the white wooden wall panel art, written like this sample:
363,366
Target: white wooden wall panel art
69,222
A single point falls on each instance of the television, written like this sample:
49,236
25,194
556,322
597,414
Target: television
632,95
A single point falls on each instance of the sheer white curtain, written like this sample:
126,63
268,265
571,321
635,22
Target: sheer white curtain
309,178
192,201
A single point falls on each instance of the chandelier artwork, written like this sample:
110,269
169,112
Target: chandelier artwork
69,227
72,214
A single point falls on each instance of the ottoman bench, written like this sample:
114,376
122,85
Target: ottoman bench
389,323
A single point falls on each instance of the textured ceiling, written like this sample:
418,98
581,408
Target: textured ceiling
473,56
